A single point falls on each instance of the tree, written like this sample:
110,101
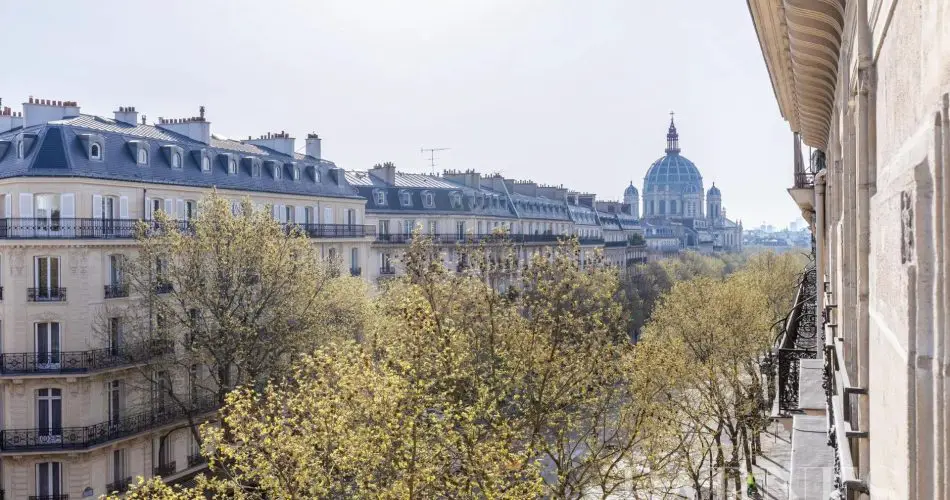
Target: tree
224,301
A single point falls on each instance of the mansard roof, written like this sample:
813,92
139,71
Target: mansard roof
60,149
418,189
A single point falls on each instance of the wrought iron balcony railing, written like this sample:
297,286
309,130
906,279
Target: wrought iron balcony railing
119,485
614,244
195,459
78,438
77,228
593,240
48,497
116,290
799,341
166,469
45,294
454,238
356,271
163,287
21,363
387,271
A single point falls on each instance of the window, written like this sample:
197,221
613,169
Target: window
328,215
49,416
232,167
118,466
116,263
143,157
384,228
289,212
95,152
255,168
46,278
205,164
355,259
19,149
193,383
47,210
157,205
176,160
433,227
456,199
405,198
662,207
380,196
429,199
47,345
49,480
115,335
296,173
191,209
408,226
672,206
308,215
460,229
114,394
278,172
110,207
350,216
316,175
162,388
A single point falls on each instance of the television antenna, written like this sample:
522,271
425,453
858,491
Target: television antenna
432,155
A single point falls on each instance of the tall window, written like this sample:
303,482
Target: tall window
355,258
662,207
460,229
380,197
95,152
157,205
406,198
47,344
191,209
118,466
110,207
384,228
278,172
408,226
433,227
256,168
19,149
49,480
289,212
115,335
350,216
49,415
143,157
673,207
46,278
193,384
296,173
308,215
114,393
162,388
232,167
205,164
176,160
47,210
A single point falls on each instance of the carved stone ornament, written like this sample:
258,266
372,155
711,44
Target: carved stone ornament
907,227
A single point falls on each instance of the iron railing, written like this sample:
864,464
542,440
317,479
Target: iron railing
116,290
119,485
592,240
45,294
78,228
799,341
387,271
69,362
356,271
452,238
166,469
163,287
77,438
613,244
196,459
48,497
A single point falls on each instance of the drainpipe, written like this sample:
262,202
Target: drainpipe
865,153
821,250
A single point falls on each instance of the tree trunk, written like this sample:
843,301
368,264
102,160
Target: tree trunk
749,458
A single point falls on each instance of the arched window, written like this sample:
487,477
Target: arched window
296,173
205,164
95,152
176,160
316,175
19,149
662,207
278,172
143,157
256,168
672,206
232,167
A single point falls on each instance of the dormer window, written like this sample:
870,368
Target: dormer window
380,196
143,157
456,200
205,164
316,175
296,173
255,168
428,199
278,172
95,152
19,149
176,159
232,167
405,198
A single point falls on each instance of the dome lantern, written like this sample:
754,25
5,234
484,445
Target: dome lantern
672,138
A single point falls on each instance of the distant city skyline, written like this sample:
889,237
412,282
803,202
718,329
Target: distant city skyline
553,91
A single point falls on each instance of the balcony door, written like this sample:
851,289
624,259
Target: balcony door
114,392
49,480
49,416
47,212
46,277
48,355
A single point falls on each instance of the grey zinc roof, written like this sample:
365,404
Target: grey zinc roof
418,186
58,150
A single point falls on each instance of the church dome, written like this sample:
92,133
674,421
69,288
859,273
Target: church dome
631,190
713,191
674,172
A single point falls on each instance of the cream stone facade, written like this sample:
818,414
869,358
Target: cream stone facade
866,84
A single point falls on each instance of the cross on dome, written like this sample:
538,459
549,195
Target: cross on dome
672,138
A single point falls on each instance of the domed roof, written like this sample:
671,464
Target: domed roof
713,191
631,190
673,172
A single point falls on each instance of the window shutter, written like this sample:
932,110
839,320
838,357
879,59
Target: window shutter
96,206
300,215
123,207
26,205
8,206
180,213
148,208
282,213
275,211
169,207
67,202
316,214
328,215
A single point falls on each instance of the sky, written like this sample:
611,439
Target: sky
576,93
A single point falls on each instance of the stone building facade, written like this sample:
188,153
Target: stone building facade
866,85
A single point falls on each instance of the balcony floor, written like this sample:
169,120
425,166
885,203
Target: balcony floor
813,461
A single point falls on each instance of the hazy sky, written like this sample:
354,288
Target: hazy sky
562,92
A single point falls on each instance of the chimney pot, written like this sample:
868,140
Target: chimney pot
31,99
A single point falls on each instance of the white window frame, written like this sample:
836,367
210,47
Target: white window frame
95,151
19,149
205,164
405,198
296,173
278,172
380,197
49,395
53,486
232,167
176,160
142,157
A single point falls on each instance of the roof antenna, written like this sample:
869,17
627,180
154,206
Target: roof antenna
432,152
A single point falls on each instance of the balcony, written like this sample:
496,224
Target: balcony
454,238
356,271
48,497
163,287
593,240
387,271
80,438
196,459
116,291
615,244
37,229
119,485
798,341
165,470
45,294
72,362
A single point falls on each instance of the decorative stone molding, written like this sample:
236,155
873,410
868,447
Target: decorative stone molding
79,261
17,261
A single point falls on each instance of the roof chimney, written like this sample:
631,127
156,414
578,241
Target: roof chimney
127,114
195,128
9,119
281,142
313,146
385,172
39,111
